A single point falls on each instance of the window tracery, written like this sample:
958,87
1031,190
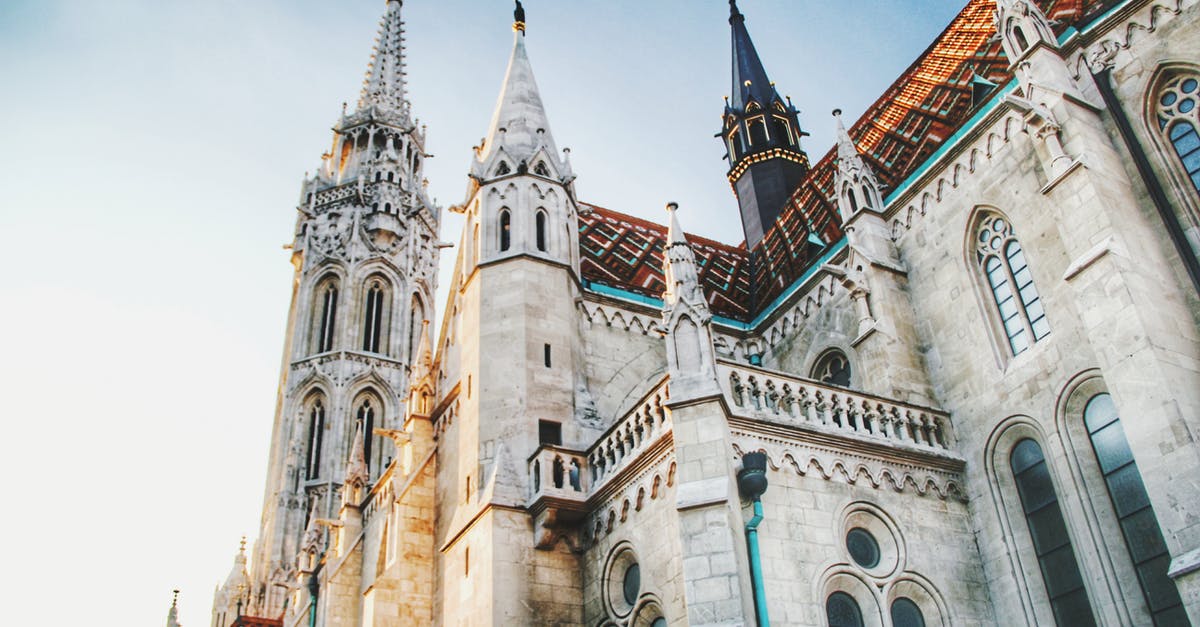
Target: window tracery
327,297
316,435
834,368
1007,275
374,315
1178,117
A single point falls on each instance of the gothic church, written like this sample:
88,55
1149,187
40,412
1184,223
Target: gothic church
950,378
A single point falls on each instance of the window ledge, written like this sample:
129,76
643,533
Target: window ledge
1185,564
1090,257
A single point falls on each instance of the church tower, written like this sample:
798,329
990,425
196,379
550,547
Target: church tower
762,136
511,359
365,255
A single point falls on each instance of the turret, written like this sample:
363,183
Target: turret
1022,27
762,135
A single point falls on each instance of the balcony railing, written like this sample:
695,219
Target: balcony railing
559,473
774,397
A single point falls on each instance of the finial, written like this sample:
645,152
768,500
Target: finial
674,206
519,18
242,548
175,598
837,113
733,10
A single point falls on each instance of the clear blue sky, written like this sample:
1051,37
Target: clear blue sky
149,175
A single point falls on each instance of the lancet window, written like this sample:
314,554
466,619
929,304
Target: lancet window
1178,117
1008,278
366,416
1139,526
325,331
416,322
541,230
505,230
375,316
316,435
1051,542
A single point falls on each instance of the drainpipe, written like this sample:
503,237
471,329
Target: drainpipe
752,483
1157,195
314,588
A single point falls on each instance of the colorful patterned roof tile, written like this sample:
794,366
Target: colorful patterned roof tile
903,128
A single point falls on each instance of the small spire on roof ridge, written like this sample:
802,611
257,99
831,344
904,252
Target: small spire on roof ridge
519,18
675,234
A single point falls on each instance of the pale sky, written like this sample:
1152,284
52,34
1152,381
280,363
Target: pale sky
148,180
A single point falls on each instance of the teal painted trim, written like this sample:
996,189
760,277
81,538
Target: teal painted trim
616,292
756,577
1100,19
795,286
950,144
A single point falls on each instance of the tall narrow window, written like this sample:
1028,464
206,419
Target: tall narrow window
541,231
373,316
416,322
1139,526
366,418
1177,115
546,354
505,230
316,433
842,610
1002,260
328,295
1051,542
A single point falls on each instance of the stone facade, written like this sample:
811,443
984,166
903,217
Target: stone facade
567,451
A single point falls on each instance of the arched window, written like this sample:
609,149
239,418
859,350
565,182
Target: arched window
905,613
316,434
366,417
1002,260
505,230
374,313
541,230
758,131
849,194
1019,37
841,610
416,322
833,367
1051,542
1139,526
327,297
1177,115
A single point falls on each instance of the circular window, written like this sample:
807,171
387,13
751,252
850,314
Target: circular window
1188,86
632,583
659,622
1169,99
863,547
622,582
1187,105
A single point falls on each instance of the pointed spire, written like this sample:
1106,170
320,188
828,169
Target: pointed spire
750,81
679,268
357,473
855,181
173,613
519,124
384,84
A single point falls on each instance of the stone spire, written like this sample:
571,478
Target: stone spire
357,473
691,359
1022,26
384,84
173,613
519,131
855,182
683,281
762,135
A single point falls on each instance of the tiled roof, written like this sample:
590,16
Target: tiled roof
903,128
625,252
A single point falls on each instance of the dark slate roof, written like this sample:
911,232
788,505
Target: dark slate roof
747,66
904,127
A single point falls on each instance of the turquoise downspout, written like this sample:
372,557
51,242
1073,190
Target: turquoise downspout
756,578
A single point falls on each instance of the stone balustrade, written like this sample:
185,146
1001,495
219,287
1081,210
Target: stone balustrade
560,473
774,397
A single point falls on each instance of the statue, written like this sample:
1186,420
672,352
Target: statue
519,14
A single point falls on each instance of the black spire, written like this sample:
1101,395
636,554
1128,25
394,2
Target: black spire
762,134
